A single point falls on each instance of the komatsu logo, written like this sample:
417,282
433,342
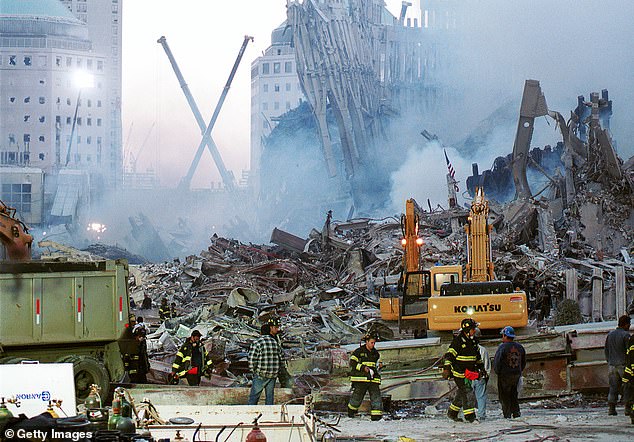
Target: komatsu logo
45,396
477,308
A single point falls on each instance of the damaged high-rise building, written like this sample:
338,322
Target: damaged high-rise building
359,66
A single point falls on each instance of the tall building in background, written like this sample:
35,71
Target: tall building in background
103,19
60,105
274,91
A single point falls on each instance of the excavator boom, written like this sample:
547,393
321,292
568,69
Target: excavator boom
479,260
15,241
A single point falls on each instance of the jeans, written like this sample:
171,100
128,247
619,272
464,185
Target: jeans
615,374
259,384
480,390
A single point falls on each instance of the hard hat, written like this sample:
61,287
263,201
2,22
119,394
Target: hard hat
508,331
468,324
274,321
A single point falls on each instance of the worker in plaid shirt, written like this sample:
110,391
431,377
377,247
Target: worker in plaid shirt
265,362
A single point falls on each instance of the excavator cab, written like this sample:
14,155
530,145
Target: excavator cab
416,293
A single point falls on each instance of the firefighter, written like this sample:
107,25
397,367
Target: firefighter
365,366
462,363
191,361
164,310
136,362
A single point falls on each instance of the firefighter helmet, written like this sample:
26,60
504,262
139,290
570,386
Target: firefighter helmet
468,324
370,335
274,321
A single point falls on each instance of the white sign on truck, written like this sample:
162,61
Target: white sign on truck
34,385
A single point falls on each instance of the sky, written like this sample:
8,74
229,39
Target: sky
205,37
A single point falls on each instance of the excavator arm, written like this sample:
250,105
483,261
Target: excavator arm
15,241
411,242
479,260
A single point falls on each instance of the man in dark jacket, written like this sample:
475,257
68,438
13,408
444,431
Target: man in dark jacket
191,361
615,350
509,361
463,363
366,377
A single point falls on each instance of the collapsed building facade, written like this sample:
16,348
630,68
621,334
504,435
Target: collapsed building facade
358,67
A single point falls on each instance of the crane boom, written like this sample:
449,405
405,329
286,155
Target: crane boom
226,175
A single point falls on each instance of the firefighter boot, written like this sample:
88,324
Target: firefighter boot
351,412
611,409
453,415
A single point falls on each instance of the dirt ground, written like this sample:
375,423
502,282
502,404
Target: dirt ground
540,421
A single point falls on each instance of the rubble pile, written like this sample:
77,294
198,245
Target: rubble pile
327,293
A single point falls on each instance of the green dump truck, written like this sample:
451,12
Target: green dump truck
70,312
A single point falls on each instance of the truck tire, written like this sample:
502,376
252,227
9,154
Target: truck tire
87,371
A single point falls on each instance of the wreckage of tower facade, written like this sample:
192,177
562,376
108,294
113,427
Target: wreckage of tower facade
359,66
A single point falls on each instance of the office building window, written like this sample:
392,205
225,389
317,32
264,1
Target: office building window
265,87
265,68
27,60
277,88
288,87
276,68
288,67
18,196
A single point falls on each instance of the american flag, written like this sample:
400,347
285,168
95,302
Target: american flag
451,172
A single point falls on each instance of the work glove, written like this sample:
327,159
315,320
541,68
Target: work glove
471,375
446,373
370,373
172,379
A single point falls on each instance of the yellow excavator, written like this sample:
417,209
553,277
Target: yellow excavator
439,298
15,241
